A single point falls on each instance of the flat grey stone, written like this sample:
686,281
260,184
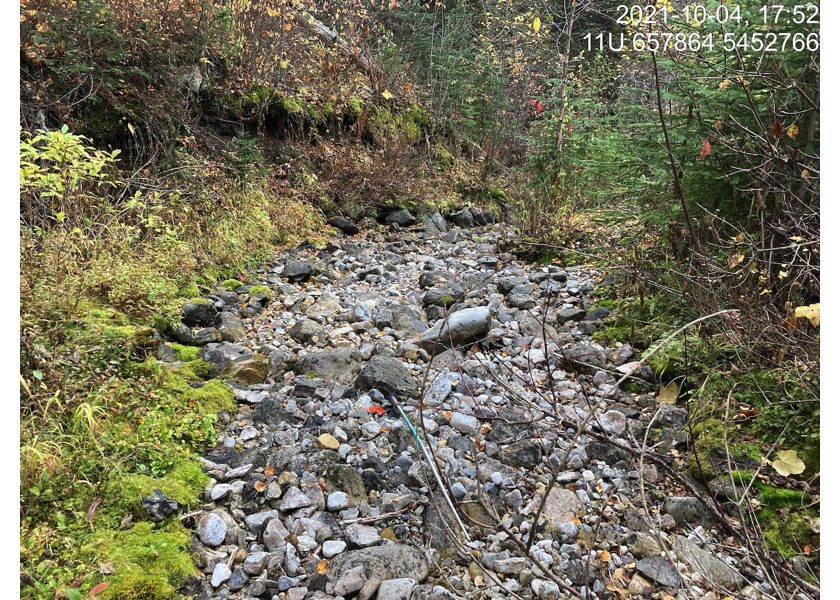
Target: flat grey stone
660,570
707,564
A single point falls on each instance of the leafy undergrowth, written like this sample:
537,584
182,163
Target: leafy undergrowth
103,425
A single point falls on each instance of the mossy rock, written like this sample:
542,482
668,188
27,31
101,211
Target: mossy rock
190,290
193,371
150,562
185,353
184,483
231,285
259,289
198,300
214,396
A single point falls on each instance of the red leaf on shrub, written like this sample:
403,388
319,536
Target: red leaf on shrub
705,149
99,589
778,128
539,107
569,128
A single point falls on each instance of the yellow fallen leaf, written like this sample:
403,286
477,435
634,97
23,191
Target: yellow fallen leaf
604,556
788,463
668,394
387,95
323,567
812,313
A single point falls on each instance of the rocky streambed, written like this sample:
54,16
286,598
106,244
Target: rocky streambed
320,489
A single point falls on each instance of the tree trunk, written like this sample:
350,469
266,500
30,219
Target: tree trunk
331,38
565,78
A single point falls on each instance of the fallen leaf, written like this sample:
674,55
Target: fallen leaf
323,567
269,471
814,524
259,486
812,313
604,556
106,568
387,95
378,410
668,394
99,589
788,463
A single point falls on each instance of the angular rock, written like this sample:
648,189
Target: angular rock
230,327
613,422
362,536
396,589
298,270
272,412
707,564
255,563
439,222
344,225
563,506
198,313
402,218
389,376
222,356
249,371
464,219
159,506
339,365
524,453
689,510
431,279
672,416
660,570
351,581
305,331
221,573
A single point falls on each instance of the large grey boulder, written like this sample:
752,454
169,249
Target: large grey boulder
462,327
403,218
222,356
298,270
388,375
305,330
339,365
464,219
231,327
198,313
